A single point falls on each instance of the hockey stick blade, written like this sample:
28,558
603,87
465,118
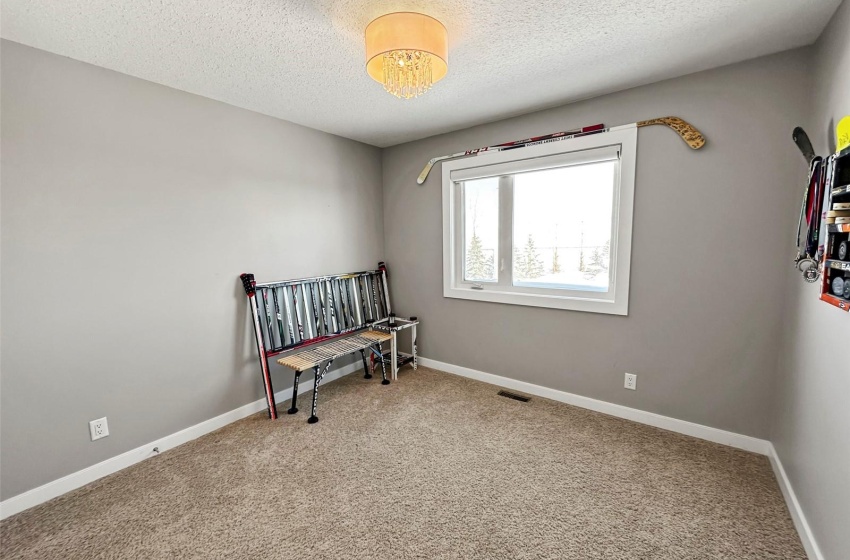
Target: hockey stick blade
428,166
692,137
802,140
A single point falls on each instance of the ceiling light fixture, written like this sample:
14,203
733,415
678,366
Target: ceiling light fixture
406,52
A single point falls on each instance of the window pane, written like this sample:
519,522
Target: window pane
562,227
481,229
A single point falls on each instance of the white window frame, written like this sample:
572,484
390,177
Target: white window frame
555,154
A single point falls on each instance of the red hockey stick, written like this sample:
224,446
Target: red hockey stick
508,145
690,135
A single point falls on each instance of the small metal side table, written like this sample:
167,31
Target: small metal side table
394,325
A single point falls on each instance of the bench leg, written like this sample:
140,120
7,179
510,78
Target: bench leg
293,409
366,373
383,365
313,418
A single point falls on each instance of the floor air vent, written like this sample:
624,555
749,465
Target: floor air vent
514,396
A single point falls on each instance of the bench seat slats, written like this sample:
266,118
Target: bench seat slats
306,359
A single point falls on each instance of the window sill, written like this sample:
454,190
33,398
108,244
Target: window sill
573,303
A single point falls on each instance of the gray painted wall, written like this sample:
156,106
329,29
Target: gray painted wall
812,416
117,193
710,252
128,210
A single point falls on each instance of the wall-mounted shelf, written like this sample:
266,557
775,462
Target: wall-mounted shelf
840,303
832,267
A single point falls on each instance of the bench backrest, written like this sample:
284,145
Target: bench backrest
293,313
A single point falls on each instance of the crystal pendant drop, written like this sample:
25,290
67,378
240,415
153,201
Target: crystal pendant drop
407,73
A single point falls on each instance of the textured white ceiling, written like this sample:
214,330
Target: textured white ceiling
303,60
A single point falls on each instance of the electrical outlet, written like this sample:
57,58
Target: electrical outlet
98,428
631,381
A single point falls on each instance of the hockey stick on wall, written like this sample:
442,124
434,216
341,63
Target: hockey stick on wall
691,136
508,145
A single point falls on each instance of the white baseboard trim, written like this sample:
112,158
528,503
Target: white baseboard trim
797,515
80,478
41,494
747,443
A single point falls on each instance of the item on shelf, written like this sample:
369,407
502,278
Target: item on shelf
846,289
837,265
841,206
843,248
842,134
838,286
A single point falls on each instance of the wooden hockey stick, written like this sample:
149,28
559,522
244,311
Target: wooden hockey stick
691,136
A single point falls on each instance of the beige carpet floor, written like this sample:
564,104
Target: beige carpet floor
432,466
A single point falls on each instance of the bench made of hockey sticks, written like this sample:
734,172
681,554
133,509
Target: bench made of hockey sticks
317,320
